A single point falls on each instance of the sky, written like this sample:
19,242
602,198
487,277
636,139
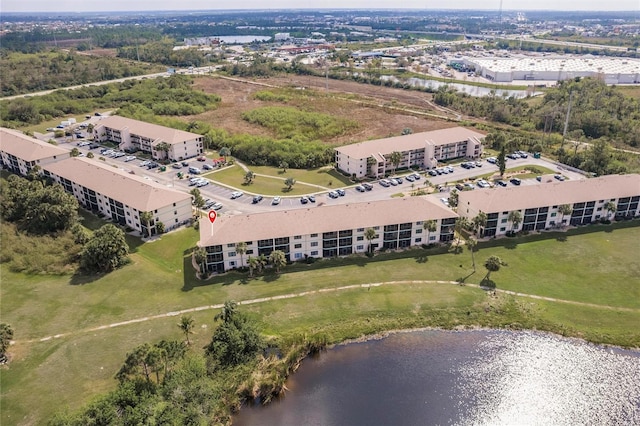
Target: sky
141,5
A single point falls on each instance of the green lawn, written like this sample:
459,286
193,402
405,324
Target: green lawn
234,177
324,176
596,265
530,172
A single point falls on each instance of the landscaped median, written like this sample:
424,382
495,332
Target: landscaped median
593,271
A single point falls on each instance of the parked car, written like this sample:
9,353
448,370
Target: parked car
478,163
202,183
129,158
539,178
385,183
492,160
185,164
217,206
312,198
194,170
152,165
448,168
367,186
236,194
410,178
256,199
559,177
360,188
399,180
176,165
145,163
333,194
515,181
275,201
432,173
304,200
501,183
202,158
207,166
340,192
119,154
392,182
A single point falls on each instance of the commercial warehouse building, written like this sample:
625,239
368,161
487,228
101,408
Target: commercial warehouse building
163,143
20,153
504,70
539,205
324,231
422,150
120,196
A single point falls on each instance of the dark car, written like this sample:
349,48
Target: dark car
501,183
256,199
515,181
312,198
367,186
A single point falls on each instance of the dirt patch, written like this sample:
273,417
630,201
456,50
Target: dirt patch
380,111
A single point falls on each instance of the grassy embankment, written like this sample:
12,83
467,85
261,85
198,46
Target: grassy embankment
594,265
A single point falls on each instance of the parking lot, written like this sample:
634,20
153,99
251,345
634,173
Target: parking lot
218,193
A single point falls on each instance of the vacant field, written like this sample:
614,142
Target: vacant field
595,265
360,102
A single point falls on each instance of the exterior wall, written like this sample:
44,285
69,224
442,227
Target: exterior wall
224,257
171,216
548,217
18,165
181,151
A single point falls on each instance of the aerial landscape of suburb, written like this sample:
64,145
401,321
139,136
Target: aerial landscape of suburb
325,213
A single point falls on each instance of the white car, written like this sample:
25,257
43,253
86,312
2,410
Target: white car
217,206
275,201
236,194
202,183
145,163
129,158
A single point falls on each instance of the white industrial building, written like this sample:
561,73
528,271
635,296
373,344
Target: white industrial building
531,68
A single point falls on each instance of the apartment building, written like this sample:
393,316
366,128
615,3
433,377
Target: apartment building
163,143
539,205
20,153
120,196
422,150
324,231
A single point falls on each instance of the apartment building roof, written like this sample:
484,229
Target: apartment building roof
327,218
550,194
148,130
134,191
408,142
25,147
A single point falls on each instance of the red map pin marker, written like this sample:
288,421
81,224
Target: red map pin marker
212,216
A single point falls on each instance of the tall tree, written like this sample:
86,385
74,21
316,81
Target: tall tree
106,250
461,224
248,177
471,244
370,234
502,161
145,219
453,198
241,249
396,158
278,259
371,162
479,222
227,312
164,148
515,217
611,208
493,264
225,152
564,209
253,264
200,256
284,166
289,182
186,325
429,226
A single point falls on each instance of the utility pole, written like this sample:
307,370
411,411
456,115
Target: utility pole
566,120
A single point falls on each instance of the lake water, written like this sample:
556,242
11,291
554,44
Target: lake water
479,377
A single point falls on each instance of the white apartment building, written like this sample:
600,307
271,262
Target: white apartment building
111,192
20,153
539,204
163,143
422,150
324,231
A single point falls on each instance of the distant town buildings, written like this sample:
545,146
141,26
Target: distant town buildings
422,150
163,143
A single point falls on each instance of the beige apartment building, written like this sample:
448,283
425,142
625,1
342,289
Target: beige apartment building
423,150
163,143
20,153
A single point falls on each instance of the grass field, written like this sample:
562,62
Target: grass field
234,177
324,176
592,265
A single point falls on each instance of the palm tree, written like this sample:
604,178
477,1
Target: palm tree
225,152
227,312
453,198
253,264
278,259
146,218
429,226
262,262
371,161
200,256
480,221
198,200
186,324
493,264
370,234
163,147
284,166
396,158
461,224
249,176
241,249
564,209
610,207
289,182
471,245
515,217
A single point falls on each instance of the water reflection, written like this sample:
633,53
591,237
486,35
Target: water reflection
460,378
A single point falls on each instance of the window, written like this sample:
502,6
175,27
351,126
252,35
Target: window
232,264
128,214
360,238
174,204
503,221
249,251
503,229
297,237
231,245
314,235
314,253
553,214
419,223
298,256
359,247
298,246
314,244
432,237
375,228
232,254
175,212
418,231
360,229
418,240
505,212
